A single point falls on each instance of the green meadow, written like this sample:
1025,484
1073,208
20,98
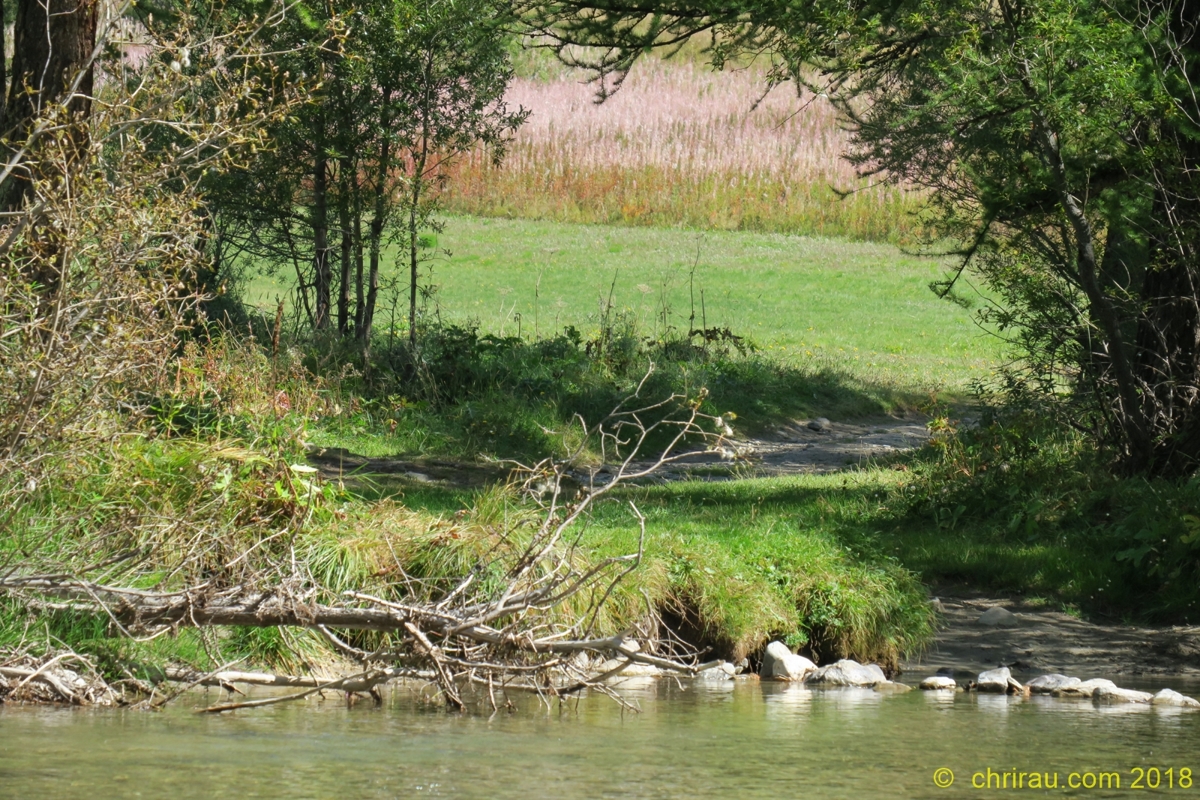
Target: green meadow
866,307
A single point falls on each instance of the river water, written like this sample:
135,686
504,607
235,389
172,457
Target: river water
742,740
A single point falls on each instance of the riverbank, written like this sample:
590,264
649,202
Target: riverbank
1037,638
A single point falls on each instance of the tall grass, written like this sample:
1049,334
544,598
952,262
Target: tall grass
680,145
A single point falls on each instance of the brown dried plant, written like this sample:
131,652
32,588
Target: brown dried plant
103,266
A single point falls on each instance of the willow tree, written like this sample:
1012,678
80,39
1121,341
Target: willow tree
1058,142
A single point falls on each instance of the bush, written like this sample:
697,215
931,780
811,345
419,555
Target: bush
1021,481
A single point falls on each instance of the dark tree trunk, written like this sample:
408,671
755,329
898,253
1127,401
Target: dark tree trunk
1168,335
48,52
1167,342
383,170
414,251
322,275
420,161
359,301
347,255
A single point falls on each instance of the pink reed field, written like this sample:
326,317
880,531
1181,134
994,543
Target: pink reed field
680,145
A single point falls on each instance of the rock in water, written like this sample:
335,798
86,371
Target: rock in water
938,682
820,425
998,617
1114,694
719,674
1047,684
850,673
1085,689
892,687
781,664
631,671
994,680
1170,697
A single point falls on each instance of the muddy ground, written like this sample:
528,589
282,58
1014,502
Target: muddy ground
1041,639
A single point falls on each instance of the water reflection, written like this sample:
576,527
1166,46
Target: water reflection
786,701
995,703
942,698
849,699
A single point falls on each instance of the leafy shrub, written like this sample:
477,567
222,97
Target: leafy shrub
1020,479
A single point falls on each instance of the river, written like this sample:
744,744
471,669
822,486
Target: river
741,740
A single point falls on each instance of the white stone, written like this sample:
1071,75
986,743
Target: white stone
892,687
632,671
1084,689
998,617
849,673
1115,694
1047,684
993,680
717,674
781,664
938,682
1170,697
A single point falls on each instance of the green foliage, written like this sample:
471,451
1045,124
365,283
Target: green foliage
403,88
736,563
1021,503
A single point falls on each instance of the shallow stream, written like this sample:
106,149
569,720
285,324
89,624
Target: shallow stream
741,740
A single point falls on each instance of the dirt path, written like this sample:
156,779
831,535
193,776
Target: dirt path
1039,640
799,447
806,447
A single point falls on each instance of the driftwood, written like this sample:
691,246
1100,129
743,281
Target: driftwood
47,679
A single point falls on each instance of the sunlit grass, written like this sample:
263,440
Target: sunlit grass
865,308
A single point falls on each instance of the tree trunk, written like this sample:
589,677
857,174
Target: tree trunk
413,248
347,254
1131,413
383,170
359,300
420,159
376,239
48,52
1167,341
321,272
1168,332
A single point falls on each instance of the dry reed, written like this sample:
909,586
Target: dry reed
680,145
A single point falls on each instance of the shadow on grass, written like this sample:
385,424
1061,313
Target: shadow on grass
466,395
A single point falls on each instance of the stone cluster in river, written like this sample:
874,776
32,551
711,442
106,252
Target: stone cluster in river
781,664
1001,681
